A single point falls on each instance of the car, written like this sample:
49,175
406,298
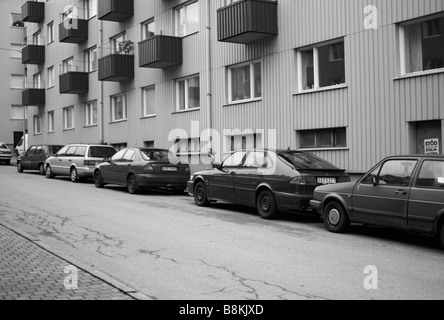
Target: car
77,161
35,157
138,168
22,146
271,181
5,154
404,192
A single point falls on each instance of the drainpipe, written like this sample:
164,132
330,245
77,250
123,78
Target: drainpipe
208,80
102,117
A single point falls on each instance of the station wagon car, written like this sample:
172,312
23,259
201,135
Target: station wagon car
405,192
5,154
77,161
34,158
268,180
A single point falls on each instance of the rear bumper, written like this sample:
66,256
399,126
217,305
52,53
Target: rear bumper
157,180
291,201
85,172
5,157
190,186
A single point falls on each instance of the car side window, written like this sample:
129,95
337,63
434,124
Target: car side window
71,152
80,152
62,152
118,156
129,156
235,160
396,172
38,151
257,159
431,175
31,151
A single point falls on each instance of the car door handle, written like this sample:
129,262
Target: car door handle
401,192
233,173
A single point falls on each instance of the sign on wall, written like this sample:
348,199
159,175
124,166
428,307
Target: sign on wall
431,146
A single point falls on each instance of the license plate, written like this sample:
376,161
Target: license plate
169,169
326,180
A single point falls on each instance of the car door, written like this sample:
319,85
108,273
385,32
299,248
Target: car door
250,176
382,196
110,171
427,196
56,161
27,157
222,181
36,158
124,166
66,161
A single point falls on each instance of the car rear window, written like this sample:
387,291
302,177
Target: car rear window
3,146
307,161
101,152
159,155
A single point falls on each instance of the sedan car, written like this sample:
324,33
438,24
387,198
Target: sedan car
138,168
404,192
268,180
5,154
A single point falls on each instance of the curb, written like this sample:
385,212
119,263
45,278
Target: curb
82,266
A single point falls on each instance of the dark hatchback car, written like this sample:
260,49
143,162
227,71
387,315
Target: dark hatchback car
405,192
138,168
268,180
34,158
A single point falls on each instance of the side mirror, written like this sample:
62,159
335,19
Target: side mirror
217,166
107,160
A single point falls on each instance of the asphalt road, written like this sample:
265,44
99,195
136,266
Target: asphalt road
168,248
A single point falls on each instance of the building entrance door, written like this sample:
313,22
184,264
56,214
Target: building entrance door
429,137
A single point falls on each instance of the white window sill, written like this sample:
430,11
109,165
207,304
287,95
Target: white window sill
234,103
419,74
148,117
186,111
91,126
338,87
118,121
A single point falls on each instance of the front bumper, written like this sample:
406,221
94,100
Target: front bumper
316,205
190,186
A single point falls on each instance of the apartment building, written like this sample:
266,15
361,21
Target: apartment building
351,81
12,72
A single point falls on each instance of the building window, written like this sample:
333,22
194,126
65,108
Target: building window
38,81
17,81
245,82
149,101
325,138
51,36
91,59
115,42
321,66
38,124
91,113
423,45
244,142
68,66
68,118
148,144
17,20
90,8
118,108
187,19
148,29
188,93
51,127
51,77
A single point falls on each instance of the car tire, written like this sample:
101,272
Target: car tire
19,167
48,172
41,169
98,180
132,185
74,175
266,205
336,218
200,195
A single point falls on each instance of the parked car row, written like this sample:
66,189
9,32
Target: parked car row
5,154
404,192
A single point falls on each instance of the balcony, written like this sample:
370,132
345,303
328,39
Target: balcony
33,54
34,95
115,10
73,31
73,81
247,21
33,11
160,52
116,67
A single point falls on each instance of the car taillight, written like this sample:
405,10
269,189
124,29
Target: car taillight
88,163
149,168
304,181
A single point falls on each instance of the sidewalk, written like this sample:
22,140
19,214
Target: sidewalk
29,272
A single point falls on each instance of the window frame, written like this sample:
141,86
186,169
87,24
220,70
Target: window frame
65,118
186,94
38,119
251,64
177,19
89,108
125,108
51,121
333,137
145,114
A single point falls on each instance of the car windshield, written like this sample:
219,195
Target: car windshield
101,152
307,161
2,146
158,155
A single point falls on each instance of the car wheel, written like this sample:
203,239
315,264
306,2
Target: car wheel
41,169
266,205
200,195
98,180
19,167
335,218
48,172
74,175
132,185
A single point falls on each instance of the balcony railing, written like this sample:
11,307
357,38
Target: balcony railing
74,26
34,51
33,11
73,79
115,10
247,21
160,52
116,67
34,94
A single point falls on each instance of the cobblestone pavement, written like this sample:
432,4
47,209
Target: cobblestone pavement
29,272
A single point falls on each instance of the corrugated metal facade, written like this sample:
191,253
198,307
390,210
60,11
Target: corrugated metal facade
376,104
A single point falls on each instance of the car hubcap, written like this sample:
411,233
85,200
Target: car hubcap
48,171
73,175
266,203
131,184
200,194
334,217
